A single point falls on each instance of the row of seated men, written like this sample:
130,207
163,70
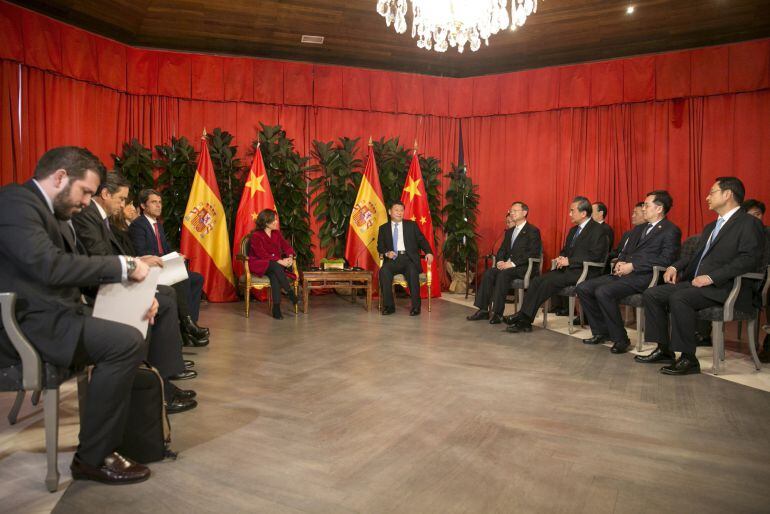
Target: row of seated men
57,246
730,246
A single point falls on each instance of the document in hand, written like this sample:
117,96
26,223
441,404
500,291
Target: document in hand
127,302
173,270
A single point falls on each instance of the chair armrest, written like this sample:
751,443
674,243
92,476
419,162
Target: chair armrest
729,306
530,268
32,365
586,265
428,272
295,270
657,272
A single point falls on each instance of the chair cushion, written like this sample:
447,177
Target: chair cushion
400,278
254,281
11,378
718,314
633,300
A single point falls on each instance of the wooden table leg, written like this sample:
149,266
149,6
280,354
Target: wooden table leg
306,295
368,295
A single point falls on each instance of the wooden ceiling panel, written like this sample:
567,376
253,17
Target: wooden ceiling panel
561,32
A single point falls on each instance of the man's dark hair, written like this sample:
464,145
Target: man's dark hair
524,207
584,205
752,203
74,160
663,199
144,195
601,207
734,185
640,204
397,202
112,182
264,218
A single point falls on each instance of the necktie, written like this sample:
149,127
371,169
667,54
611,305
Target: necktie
395,237
647,231
574,238
107,224
514,236
713,236
157,238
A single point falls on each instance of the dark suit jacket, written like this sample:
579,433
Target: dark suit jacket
414,241
527,244
621,244
610,233
143,237
41,265
659,248
94,234
591,245
737,249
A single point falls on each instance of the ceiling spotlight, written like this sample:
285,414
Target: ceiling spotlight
630,9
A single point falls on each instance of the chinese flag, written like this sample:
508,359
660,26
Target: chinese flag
256,197
204,233
365,220
415,201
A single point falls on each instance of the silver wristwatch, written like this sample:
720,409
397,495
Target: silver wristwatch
130,265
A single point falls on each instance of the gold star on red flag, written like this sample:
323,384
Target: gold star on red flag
255,184
412,188
413,218
423,220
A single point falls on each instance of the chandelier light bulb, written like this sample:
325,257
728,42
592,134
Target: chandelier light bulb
440,24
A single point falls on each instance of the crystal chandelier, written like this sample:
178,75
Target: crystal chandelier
439,24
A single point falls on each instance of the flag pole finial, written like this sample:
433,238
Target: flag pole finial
204,132
415,145
370,141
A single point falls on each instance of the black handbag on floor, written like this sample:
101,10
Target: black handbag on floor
147,437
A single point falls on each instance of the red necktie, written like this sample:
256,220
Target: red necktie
157,237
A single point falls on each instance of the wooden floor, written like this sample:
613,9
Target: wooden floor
346,411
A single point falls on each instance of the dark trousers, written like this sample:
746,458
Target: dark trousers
494,288
278,281
545,286
681,301
599,299
165,350
402,264
116,350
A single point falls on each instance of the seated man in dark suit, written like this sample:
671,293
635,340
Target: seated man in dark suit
656,243
600,216
521,241
149,238
637,218
165,351
730,246
586,241
42,265
399,242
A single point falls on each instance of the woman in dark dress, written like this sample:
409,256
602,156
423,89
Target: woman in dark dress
269,256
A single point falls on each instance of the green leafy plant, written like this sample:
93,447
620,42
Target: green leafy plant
135,162
460,215
178,162
229,172
287,174
393,166
334,191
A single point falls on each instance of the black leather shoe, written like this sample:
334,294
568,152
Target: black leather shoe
116,470
185,394
683,366
178,405
512,319
415,312
496,319
658,356
478,315
595,339
277,312
184,375
188,340
388,310
192,328
188,364
621,347
520,326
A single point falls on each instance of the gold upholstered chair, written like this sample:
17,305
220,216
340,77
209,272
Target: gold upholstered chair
248,282
426,279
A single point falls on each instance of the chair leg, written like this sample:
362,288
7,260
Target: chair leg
35,398
717,343
639,329
51,421
571,314
13,415
751,329
429,295
248,300
296,295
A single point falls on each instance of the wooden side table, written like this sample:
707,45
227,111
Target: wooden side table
325,279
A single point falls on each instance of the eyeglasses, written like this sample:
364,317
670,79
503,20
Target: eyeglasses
714,191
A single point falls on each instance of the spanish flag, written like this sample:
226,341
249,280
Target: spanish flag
204,233
256,197
416,208
365,220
